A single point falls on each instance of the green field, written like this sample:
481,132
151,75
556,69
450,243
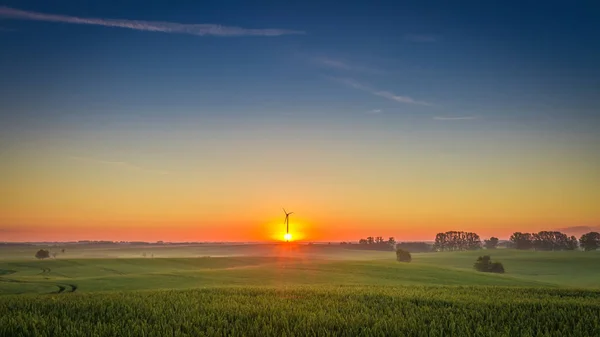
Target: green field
294,290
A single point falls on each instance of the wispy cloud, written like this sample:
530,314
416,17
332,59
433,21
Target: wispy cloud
342,65
385,94
151,26
421,38
120,164
458,118
374,111
398,98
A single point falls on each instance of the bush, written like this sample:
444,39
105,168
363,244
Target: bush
497,267
485,264
402,255
42,254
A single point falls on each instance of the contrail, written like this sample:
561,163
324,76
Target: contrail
459,118
150,26
386,94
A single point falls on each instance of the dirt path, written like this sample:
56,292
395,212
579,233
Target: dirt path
45,271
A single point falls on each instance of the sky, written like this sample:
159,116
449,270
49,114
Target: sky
201,120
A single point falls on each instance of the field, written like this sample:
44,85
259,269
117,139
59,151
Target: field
279,290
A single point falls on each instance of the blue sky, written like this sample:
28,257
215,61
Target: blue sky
454,84
514,61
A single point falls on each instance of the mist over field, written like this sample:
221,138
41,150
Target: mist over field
292,288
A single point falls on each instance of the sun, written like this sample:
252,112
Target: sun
287,237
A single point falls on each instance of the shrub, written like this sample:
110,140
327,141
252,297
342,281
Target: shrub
497,267
485,264
42,254
402,255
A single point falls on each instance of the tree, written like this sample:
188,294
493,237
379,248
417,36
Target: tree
572,243
492,243
485,264
62,250
391,241
473,242
373,243
441,242
402,255
521,240
590,241
42,254
457,241
549,240
54,254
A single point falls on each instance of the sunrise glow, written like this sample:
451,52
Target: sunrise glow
287,237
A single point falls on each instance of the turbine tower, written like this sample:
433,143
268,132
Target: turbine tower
287,224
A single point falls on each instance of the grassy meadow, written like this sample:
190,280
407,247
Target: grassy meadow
294,289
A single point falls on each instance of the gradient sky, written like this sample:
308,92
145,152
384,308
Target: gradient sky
199,121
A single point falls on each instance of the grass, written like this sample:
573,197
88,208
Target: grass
316,310
282,290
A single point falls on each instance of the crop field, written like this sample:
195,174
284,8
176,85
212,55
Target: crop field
287,290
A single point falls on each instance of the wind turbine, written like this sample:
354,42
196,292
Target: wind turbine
287,225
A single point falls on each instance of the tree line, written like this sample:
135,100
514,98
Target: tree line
460,241
374,243
552,240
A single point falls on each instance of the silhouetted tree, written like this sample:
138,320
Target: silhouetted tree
373,243
62,250
391,241
454,240
590,241
403,256
42,254
572,243
543,240
521,240
549,240
441,242
492,243
485,264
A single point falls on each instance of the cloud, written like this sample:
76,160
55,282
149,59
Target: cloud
398,98
151,26
120,164
458,118
423,38
374,111
385,94
341,65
